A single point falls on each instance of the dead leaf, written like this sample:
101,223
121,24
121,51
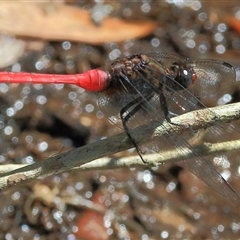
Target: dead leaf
60,22
11,50
234,23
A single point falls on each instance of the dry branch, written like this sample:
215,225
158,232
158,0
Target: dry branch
82,158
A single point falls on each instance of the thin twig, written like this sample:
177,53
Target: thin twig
80,158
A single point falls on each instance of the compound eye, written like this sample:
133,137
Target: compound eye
185,72
185,78
194,77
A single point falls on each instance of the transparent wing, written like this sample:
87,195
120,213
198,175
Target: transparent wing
213,77
140,103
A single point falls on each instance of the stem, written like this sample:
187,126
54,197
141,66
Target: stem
81,158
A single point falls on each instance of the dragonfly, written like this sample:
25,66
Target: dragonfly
137,90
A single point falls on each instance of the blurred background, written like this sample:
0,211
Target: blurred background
39,121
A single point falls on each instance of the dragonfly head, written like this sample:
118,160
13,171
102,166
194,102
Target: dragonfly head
184,75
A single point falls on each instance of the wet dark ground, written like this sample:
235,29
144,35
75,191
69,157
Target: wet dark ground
139,203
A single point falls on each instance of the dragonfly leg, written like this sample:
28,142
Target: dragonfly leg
138,102
164,107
